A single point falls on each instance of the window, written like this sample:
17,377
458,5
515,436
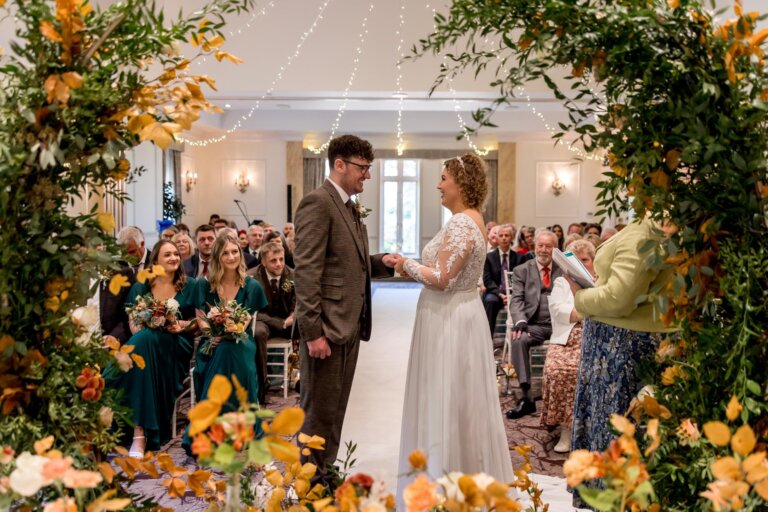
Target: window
400,206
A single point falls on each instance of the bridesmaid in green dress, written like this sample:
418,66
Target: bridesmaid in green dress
151,392
227,281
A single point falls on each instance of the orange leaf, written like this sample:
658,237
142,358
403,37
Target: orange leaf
196,481
138,360
717,433
46,28
225,55
43,445
287,422
72,79
726,468
127,469
150,468
202,415
744,440
734,408
283,450
242,394
176,487
117,282
106,470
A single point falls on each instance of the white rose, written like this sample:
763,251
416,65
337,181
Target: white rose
450,483
369,505
28,478
86,317
172,305
482,480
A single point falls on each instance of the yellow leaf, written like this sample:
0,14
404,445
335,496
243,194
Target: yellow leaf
46,28
225,55
242,394
196,481
219,390
106,221
72,79
319,505
56,89
107,471
727,468
43,445
307,471
138,360
283,450
127,348
158,270
301,486
652,431
673,4
203,23
286,423
717,432
275,478
743,441
210,44
758,38
118,281
202,415
156,133
734,408
762,489
137,123
756,467
144,274
622,424
104,504
176,487
313,442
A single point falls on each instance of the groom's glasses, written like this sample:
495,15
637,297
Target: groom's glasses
363,168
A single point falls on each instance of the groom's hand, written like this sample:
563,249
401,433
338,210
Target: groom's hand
390,260
319,348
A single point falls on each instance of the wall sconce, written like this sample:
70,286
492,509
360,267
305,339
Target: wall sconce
242,182
557,185
190,179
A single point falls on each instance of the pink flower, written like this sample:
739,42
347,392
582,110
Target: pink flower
79,479
54,469
61,505
420,495
124,361
7,455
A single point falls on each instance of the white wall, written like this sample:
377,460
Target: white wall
535,203
146,192
215,192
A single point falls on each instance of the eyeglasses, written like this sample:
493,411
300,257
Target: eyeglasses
363,168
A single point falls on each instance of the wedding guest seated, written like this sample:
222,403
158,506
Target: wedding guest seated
213,218
493,239
185,244
497,263
226,282
529,307
255,237
289,232
167,233
131,238
268,228
242,238
276,319
183,228
197,265
561,370
593,239
595,229
151,392
557,229
220,224
569,239
575,228
525,240
274,235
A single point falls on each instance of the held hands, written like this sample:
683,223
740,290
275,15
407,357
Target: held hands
319,348
391,260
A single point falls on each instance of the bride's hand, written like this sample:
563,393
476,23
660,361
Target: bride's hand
399,267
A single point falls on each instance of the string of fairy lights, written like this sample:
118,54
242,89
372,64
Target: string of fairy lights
400,94
239,123
350,82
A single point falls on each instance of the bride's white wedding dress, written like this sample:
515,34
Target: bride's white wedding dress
452,409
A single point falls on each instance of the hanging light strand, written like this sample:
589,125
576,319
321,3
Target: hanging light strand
350,81
399,80
275,81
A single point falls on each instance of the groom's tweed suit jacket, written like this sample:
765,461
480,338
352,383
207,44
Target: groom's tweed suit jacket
333,270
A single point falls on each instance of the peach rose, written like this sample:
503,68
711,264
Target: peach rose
581,465
54,469
420,494
61,505
81,479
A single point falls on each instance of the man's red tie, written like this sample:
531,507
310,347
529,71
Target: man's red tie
545,277
205,269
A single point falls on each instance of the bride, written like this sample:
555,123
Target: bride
452,409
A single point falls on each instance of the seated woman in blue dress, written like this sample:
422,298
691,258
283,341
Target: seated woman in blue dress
152,391
227,281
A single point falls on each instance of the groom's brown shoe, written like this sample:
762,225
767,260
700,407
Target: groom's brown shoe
524,407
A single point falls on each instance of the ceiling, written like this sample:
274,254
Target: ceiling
310,65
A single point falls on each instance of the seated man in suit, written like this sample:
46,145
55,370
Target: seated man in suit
529,306
255,236
197,265
497,263
276,319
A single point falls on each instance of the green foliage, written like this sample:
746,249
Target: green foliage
681,109
173,208
73,89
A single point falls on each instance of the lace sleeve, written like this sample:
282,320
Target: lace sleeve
452,256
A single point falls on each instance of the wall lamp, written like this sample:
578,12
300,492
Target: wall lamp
242,182
190,179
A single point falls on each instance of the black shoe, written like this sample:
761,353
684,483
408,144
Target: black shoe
524,407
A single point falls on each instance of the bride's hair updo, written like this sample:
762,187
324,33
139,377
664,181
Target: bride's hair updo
468,171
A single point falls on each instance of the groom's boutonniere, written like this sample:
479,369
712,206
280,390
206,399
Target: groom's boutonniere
360,210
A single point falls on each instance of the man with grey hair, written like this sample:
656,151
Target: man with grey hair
131,238
529,307
607,233
255,236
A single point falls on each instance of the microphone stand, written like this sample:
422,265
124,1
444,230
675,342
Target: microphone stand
243,212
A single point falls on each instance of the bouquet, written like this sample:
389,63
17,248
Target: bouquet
153,313
225,322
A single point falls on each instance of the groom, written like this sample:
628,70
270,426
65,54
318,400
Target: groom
333,293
